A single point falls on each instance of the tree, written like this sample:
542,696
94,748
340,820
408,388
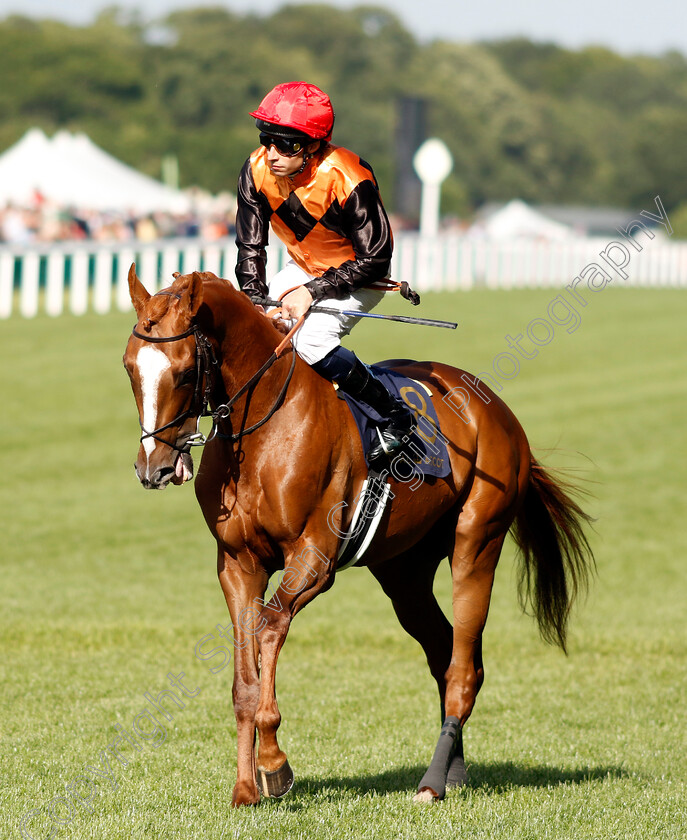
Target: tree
527,120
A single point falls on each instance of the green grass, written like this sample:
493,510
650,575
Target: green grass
106,588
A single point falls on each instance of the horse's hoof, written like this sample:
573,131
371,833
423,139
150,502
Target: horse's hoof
275,783
426,796
457,775
244,795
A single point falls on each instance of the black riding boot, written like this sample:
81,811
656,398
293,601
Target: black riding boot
363,385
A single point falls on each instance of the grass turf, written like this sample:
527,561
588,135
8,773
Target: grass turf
106,589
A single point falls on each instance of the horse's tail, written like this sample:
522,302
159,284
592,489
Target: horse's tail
555,556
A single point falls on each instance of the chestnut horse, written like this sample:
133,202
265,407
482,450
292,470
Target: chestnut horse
279,475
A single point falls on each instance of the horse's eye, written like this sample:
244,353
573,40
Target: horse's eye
187,377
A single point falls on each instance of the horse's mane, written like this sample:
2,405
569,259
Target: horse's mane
226,303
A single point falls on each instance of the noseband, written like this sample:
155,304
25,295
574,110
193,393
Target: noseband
206,362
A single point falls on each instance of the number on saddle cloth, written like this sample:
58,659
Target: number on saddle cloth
426,453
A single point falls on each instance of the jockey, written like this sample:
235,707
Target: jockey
323,202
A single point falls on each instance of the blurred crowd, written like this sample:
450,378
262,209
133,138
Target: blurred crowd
45,222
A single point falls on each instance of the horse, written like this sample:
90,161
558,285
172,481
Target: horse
276,484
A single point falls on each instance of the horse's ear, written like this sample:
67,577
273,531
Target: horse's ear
138,292
192,294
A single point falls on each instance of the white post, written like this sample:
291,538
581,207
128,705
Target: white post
148,272
170,264
432,162
211,259
102,288
6,284
126,257
191,259
54,290
28,296
78,285
429,209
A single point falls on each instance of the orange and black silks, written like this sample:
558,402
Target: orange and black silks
330,217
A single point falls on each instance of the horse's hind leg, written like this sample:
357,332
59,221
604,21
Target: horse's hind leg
409,584
472,567
408,581
475,555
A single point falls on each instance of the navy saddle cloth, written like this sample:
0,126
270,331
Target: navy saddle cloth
426,448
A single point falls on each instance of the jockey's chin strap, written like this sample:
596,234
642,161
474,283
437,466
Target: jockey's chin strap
206,361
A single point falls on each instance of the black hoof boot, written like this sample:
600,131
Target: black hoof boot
457,775
435,778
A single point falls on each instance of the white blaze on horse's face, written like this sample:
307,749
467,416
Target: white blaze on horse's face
152,364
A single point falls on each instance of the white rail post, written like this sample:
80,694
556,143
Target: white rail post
28,296
122,299
148,271
54,289
6,284
191,259
102,289
170,264
211,259
78,284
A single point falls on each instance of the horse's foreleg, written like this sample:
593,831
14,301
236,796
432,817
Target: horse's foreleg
274,773
241,590
301,582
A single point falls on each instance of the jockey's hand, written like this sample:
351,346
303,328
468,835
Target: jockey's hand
297,303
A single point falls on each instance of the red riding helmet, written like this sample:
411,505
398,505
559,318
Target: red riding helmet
299,106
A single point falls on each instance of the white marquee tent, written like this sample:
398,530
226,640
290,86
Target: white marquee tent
72,171
517,220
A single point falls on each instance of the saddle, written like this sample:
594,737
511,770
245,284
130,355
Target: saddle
424,455
426,452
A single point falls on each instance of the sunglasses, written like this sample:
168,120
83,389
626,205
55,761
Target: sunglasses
287,146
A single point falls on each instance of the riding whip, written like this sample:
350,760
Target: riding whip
404,319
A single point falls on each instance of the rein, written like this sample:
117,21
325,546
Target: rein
205,362
224,410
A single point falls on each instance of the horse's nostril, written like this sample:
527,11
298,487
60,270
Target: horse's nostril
161,476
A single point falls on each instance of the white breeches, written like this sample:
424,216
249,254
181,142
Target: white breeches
322,331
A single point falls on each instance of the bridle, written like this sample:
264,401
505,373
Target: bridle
206,363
